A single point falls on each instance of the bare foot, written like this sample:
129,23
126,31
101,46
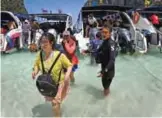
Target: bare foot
57,110
106,92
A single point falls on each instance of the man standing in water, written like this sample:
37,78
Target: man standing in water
106,54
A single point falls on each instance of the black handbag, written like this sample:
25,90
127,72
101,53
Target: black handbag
45,83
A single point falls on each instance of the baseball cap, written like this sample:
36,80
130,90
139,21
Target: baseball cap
26,21
66,33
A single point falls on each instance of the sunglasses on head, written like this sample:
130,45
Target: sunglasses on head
66,36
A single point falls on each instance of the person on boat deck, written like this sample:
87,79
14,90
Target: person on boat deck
49,55
93,31
106,54
136,17
11,25
69,44
12,34
155,20
92,24
71,32
34,26
26,28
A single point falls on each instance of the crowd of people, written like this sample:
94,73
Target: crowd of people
29,26
54,81
58,64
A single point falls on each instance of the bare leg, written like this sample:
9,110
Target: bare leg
72,77
57,110
63,94
65,90
87,31
92,62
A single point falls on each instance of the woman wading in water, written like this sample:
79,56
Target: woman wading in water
49,55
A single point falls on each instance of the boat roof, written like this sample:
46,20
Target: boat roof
5,16
152,9
155,8
22,16
53,16
103,10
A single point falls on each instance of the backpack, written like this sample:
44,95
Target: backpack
45,83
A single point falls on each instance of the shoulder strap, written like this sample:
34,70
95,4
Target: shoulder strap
54,62
59,76
42,62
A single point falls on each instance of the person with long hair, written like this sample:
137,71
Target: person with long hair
12,35
70,45
49,55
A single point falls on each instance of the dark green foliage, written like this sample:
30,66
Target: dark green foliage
15,6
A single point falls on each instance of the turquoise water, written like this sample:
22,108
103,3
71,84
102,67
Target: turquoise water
135,91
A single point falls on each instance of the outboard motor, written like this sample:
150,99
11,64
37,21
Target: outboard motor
147,34
125,42
115,38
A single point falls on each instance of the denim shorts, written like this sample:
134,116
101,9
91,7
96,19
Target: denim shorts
75,67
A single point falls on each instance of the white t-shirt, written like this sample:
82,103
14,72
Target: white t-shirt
91,21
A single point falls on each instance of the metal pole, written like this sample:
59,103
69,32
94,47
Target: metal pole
125,2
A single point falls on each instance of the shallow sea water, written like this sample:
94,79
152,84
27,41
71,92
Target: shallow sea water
136,90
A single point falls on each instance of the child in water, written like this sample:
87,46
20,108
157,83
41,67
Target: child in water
93,46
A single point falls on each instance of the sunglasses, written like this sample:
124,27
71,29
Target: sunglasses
105,32
66,36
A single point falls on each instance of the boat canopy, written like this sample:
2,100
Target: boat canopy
102,10
22,16
156,9
59,17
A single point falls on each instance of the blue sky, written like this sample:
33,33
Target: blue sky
68,6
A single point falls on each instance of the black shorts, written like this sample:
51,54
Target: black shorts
107,79
109,74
